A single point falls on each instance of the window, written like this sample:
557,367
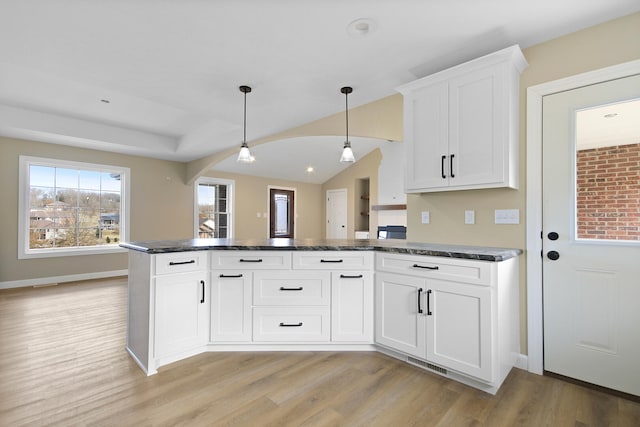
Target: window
214,208
71,208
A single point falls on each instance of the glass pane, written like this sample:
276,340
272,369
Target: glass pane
41,176
608,173
110,181
89,180
282,215
66,178
66,197
40,197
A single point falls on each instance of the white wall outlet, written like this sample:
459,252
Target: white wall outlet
426,217
507,216
469,217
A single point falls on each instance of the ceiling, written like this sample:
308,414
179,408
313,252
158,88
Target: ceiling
160,78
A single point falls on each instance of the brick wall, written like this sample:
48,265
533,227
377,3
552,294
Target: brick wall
608,192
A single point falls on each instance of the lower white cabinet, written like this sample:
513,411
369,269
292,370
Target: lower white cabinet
352,306
291,324
399,323
451,314
181,313
231,306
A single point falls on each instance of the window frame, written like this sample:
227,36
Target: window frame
230,203
24,187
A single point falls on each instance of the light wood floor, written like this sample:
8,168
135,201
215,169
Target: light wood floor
63,362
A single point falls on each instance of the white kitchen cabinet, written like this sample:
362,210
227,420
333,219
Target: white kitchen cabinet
399,323
458,327
352,306
461,125
453,315
231,306
181,313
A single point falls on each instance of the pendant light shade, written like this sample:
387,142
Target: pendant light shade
347,152
245,155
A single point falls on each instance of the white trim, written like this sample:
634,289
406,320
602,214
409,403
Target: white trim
41,281
534,194
231,185
24,252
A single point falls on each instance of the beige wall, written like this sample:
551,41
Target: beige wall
161,208
367,167
597,47
252,197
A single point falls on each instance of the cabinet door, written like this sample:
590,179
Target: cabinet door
231,306
459,328
399,325
426,136
352,307
478,137
181,313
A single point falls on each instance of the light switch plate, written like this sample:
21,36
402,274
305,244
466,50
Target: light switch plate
507,216
470,217
426,217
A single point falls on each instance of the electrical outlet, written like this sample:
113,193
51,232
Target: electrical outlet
469,217
426,217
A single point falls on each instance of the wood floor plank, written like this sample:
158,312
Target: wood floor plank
63,363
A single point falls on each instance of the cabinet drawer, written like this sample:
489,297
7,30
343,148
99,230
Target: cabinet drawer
291,288
333,260
250,260
459,270
291,324
180,262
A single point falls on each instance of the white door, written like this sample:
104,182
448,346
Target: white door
591,236
337,214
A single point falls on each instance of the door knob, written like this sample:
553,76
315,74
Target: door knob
553,235
553,255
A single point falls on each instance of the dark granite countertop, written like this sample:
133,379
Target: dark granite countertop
391,245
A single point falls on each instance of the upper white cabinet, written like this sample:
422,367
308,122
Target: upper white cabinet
461,125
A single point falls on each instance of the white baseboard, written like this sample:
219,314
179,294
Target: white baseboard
61,279
522,362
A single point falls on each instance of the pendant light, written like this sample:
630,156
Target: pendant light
245,155
347,152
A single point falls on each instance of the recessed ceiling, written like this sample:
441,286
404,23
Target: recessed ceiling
170,70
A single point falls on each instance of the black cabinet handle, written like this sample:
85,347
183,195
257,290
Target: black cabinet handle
429,313
193,261
230,275
282,288
442,167
202,300
419,304
290,325
250,260
331,260
346,276
426,267
451,166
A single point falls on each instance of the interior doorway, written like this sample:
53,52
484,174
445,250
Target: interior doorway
337,214
281,213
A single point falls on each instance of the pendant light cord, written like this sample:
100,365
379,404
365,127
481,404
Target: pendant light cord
244,135
346,113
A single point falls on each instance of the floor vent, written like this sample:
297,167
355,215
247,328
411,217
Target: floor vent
427,365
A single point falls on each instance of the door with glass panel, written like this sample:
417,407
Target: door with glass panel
281,213
591,234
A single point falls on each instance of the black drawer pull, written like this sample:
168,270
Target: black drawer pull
429,312
282,288
346,276
193,261
250,260
290,325
331,260
202,300
426,267
419,298
230,275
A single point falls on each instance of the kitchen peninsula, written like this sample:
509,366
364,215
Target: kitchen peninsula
452,310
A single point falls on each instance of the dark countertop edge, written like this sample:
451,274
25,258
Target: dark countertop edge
479,253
